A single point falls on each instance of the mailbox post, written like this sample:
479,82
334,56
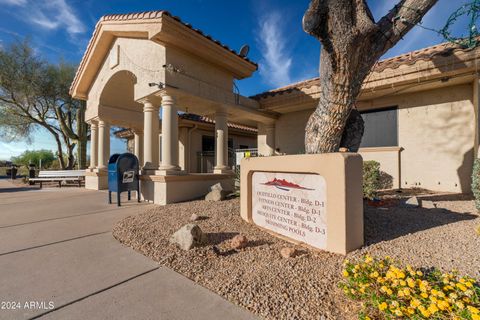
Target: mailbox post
123,175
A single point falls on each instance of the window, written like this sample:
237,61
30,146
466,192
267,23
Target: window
381,128
208,143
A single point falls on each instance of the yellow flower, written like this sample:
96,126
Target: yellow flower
398,313
475,317
473,310
383,289
345,273
403,283
419,273
453,295
411,283
415,303
374,274
443,305
389,292
468,284
461,286
432,308
426,313
382,306
368,259
367,318
410,311
424,295
460,305
406,291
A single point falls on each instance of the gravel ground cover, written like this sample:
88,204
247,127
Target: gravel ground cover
304,287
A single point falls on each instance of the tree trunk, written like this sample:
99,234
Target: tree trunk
82,131
351,44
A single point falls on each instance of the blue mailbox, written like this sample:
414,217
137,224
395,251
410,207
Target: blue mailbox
123,175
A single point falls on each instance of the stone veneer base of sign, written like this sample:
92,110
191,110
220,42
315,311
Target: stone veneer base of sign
313,200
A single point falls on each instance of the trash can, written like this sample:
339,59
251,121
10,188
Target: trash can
31,172
123,175
13,172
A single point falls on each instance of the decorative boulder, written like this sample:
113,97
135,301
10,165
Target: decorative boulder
216,195
194,217
412,202
427,204
188,236
288,252
217,186
239,242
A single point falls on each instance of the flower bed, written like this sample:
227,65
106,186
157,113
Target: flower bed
388,291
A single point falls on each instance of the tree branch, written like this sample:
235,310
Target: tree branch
399,21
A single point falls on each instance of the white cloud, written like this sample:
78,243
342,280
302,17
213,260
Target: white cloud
50,15
14,2
276,62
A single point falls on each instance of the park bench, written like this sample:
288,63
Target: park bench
60,176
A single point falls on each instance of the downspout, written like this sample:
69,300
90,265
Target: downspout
189,152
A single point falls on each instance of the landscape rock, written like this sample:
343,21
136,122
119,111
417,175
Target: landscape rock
412,202
216,195
288,252
188,236
427,204
194,217
239,242
217,186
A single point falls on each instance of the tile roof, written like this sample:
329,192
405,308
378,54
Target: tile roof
124,133
445,49
203,119
146,15
157,14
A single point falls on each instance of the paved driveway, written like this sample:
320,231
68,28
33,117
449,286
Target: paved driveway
58,260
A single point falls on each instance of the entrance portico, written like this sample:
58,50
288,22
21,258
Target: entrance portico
137,67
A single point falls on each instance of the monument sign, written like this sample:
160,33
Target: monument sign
309,199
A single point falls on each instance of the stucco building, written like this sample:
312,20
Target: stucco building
421,108
420,111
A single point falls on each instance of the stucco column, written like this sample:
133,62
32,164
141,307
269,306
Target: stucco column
266,139
150,136
138,146
221,142
93,145
103,144
169,163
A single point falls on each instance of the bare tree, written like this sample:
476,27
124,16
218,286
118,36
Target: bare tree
352,42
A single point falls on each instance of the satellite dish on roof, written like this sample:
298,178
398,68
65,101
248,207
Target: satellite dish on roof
244,50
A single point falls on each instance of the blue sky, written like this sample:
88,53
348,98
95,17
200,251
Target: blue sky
61,29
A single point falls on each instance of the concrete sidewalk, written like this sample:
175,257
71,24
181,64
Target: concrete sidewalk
58,260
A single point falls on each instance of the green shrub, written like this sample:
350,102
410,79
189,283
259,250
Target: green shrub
476,182
371,179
